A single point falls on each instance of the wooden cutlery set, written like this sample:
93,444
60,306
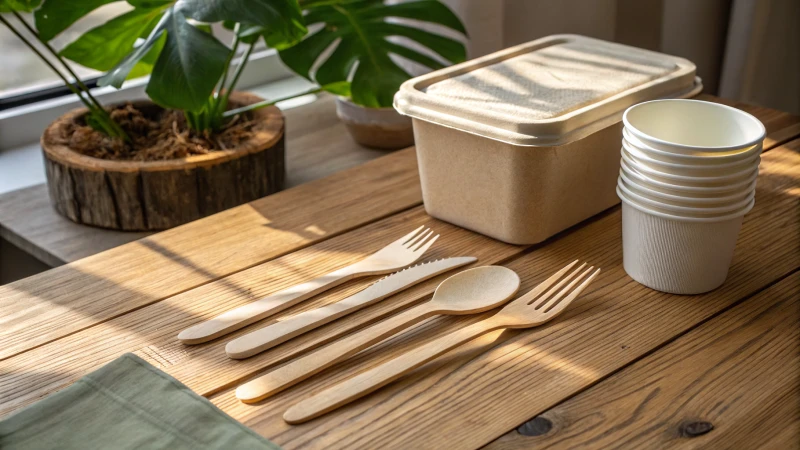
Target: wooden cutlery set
469,292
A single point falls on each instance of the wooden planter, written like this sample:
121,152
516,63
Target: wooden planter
155,195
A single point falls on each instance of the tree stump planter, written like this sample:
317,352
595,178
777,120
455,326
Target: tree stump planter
155,195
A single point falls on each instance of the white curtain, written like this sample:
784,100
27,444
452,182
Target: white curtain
746,50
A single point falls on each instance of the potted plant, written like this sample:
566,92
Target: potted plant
198,147
354,52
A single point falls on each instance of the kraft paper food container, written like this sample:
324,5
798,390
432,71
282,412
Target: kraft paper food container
676,254
708,202
684,211
523,143
688,169
686,191
685,180
693,127
715,160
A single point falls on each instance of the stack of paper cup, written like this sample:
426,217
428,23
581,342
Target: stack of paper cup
687,178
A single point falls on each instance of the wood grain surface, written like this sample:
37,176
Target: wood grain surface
503,379
469,397
730,383
69,298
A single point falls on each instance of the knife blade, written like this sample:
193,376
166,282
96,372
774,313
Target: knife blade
289,327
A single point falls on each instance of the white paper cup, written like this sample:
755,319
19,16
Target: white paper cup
681,210
685,180
709,160
688,169
693,127
686,191
675,254
708,202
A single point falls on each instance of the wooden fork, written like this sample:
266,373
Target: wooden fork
538,306
400,253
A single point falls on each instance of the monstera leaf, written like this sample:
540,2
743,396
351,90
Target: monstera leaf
104,46
56,16
191,61
359,32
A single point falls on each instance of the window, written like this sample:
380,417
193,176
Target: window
25,73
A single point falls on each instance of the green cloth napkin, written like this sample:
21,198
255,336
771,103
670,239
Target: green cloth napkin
127,404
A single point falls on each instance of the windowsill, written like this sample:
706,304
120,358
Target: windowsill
23,166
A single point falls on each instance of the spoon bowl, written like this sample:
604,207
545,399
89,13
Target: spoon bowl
475,290
469,292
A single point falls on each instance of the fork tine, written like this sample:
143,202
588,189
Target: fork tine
548,282
539,301
543,305
407,237
423,248
418,238
554,310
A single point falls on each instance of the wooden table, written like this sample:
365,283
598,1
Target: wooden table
624,366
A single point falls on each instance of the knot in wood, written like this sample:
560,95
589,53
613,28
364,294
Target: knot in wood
535,427
694,429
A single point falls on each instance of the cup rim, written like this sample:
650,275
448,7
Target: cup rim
688,178
692,158
720,149
646,210
673,197
686,209
697,189
642,154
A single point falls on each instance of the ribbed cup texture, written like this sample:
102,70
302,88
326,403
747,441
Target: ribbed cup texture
677,256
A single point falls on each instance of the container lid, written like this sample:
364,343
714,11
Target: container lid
546,92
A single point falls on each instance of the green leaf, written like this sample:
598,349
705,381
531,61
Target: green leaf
104,46
282,19
119,73
248,32
19,5
360,32
189,66
146,64
56,16
150,3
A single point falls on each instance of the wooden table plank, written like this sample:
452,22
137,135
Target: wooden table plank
317,145
43,308
499,381
56,303
738,372
597,241
152,330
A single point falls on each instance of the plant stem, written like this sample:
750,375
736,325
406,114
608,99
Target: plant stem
96,109
234,46
44,59
265,103
239,70
59,58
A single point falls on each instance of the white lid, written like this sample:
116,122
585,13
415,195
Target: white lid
546,92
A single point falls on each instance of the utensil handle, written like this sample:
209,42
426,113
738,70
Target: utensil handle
312,363
377,377
253,312
281,331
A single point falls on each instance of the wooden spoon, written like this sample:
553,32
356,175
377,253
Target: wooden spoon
538,306
469,292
